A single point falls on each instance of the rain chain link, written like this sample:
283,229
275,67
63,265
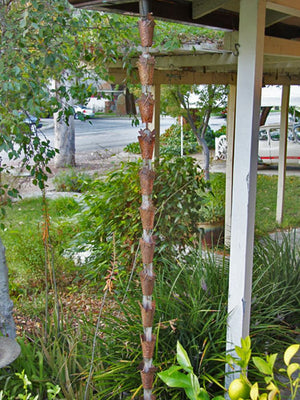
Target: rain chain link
147,210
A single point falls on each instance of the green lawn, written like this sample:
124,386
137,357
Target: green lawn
265,220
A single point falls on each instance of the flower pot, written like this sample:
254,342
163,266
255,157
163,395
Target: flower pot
147,140
146,180
146,69
212,233
146,106
147,216
147,283
146,29
148,347
147,250
147,315
148,377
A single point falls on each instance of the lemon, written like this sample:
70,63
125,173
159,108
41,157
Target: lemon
238,389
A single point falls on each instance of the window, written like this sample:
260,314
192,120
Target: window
263,135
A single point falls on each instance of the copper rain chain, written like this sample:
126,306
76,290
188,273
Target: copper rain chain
147,210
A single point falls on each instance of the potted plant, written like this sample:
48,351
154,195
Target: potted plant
212,214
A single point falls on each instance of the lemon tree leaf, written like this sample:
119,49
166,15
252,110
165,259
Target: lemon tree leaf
254,391
263,396
262,365
272,394
292,368
290,352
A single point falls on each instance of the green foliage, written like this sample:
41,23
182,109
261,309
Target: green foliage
52,391
133,148
191,307
210,136
171,141
272,387
54,363
72,181
25,253
212,208
112,207
186,380
266,203
240,388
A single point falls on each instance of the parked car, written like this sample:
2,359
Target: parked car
268,149
31,121
84,111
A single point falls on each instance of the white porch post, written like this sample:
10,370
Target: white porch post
282,152
229,161
249,80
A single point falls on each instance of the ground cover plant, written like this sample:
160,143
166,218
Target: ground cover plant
191,293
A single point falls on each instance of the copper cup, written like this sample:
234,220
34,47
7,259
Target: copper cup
146,106
148,347
147,141
147,216
147,315
146,69
147,250
147,283
146,29
148,377
146,180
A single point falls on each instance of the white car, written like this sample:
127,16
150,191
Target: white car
268,147
85,111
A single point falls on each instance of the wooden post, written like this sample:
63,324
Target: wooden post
282,152
249,81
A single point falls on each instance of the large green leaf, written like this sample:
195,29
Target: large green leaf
183,358
262,365
173,378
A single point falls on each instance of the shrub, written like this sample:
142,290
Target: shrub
110,212
133,148
72,181
171,141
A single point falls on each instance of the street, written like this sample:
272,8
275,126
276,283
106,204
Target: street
103,133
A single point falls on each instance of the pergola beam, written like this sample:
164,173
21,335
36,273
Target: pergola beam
281,47
290,7
273,17
171,77
202,7
272,45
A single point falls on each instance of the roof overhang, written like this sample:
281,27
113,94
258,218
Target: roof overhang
282,16
206,62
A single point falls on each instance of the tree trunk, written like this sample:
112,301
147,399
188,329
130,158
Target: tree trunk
7,324
64,141
264,115
205,149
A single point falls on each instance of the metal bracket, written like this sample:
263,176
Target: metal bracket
236,52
